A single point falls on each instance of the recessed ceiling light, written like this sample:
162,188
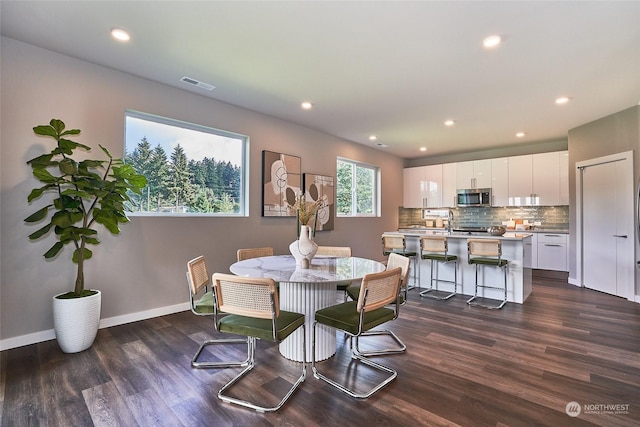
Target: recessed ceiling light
520,134
491,41
423,148
562,100
373,138
449,123
306,105
120,34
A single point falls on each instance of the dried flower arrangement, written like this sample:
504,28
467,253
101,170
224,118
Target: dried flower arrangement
306,210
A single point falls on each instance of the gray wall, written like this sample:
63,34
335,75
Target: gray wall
144,268
616,133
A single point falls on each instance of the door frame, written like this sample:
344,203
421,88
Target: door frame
627,159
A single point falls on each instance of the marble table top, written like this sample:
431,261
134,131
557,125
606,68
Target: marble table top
323,269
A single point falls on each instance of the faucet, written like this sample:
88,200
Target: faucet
450,221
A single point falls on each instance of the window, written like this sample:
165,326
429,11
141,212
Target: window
357,189
190,169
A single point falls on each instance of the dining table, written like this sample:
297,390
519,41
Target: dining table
306,290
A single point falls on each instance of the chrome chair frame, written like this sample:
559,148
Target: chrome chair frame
438,251
492,258
363,307
199,280
395,260
243,312
337,251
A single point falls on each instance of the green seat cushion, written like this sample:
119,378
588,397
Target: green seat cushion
342,286
399,252
205,304
440,257
346,317
353,291
489,261
261,328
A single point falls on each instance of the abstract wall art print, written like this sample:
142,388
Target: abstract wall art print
321,187
281,183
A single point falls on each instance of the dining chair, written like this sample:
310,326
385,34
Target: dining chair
201,302
248,253
353,291
337,251
377,293
249,307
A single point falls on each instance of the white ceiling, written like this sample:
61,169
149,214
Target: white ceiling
394,69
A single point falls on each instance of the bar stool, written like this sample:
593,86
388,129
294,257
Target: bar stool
482,253
436,248
397,243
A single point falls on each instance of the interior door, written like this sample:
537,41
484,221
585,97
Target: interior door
599,245
607,227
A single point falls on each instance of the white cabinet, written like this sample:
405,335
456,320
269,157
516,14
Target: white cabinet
422,187
520,180
500,181
539,179
449,185
474,174
552,251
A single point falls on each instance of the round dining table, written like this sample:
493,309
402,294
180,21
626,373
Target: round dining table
306,290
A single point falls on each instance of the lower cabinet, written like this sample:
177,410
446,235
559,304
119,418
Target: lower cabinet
552,251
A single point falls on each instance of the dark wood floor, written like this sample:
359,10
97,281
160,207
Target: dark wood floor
519,366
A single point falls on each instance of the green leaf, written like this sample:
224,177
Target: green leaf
44,176
58,125
45,130
86,254
106,151
42,161
70,132
37,234
54,250
38,215
68,167
92,240
37,192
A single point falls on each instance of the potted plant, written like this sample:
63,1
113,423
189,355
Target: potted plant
86,193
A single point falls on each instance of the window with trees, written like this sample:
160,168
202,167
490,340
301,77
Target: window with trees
357,189
190,169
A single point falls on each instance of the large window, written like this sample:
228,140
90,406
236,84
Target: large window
190,169
357,189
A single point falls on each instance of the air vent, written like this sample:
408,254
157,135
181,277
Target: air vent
196,83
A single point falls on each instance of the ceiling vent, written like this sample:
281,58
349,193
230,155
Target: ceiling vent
196,83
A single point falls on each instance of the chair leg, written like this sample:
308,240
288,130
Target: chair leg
226,398
400,349
213,365
357,358
426,293
471,301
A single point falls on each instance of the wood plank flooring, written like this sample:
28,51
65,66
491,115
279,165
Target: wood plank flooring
465,366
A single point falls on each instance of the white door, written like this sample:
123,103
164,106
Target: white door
607,227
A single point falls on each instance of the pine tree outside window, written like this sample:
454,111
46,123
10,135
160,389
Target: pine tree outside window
190,169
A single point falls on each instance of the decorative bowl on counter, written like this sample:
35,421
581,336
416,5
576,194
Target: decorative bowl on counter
496,230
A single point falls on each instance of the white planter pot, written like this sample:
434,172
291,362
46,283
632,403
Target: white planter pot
304,249
76,321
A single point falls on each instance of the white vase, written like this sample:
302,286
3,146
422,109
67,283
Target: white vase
304,249
76,321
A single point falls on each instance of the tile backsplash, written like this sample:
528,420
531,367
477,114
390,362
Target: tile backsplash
550,217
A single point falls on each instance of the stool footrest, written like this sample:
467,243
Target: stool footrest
471,301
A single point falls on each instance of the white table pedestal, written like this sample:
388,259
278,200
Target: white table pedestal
307,298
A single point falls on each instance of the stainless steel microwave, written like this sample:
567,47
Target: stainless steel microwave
474,197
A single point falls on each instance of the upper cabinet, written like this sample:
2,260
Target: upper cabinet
539,179
533,179
423,187
474,174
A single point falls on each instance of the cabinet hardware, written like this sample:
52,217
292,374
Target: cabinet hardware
549,244
624,236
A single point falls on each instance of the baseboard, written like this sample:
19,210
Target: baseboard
36,337
574,281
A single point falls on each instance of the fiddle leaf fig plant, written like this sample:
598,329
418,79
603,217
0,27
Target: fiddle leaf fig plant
86,193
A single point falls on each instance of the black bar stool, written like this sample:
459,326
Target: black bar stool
397,243
482,253
436,249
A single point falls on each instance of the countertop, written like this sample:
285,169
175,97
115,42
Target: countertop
444,230
417,232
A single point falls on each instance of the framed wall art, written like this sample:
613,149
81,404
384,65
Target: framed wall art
321,187
281,183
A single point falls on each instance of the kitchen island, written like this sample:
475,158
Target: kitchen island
516,247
